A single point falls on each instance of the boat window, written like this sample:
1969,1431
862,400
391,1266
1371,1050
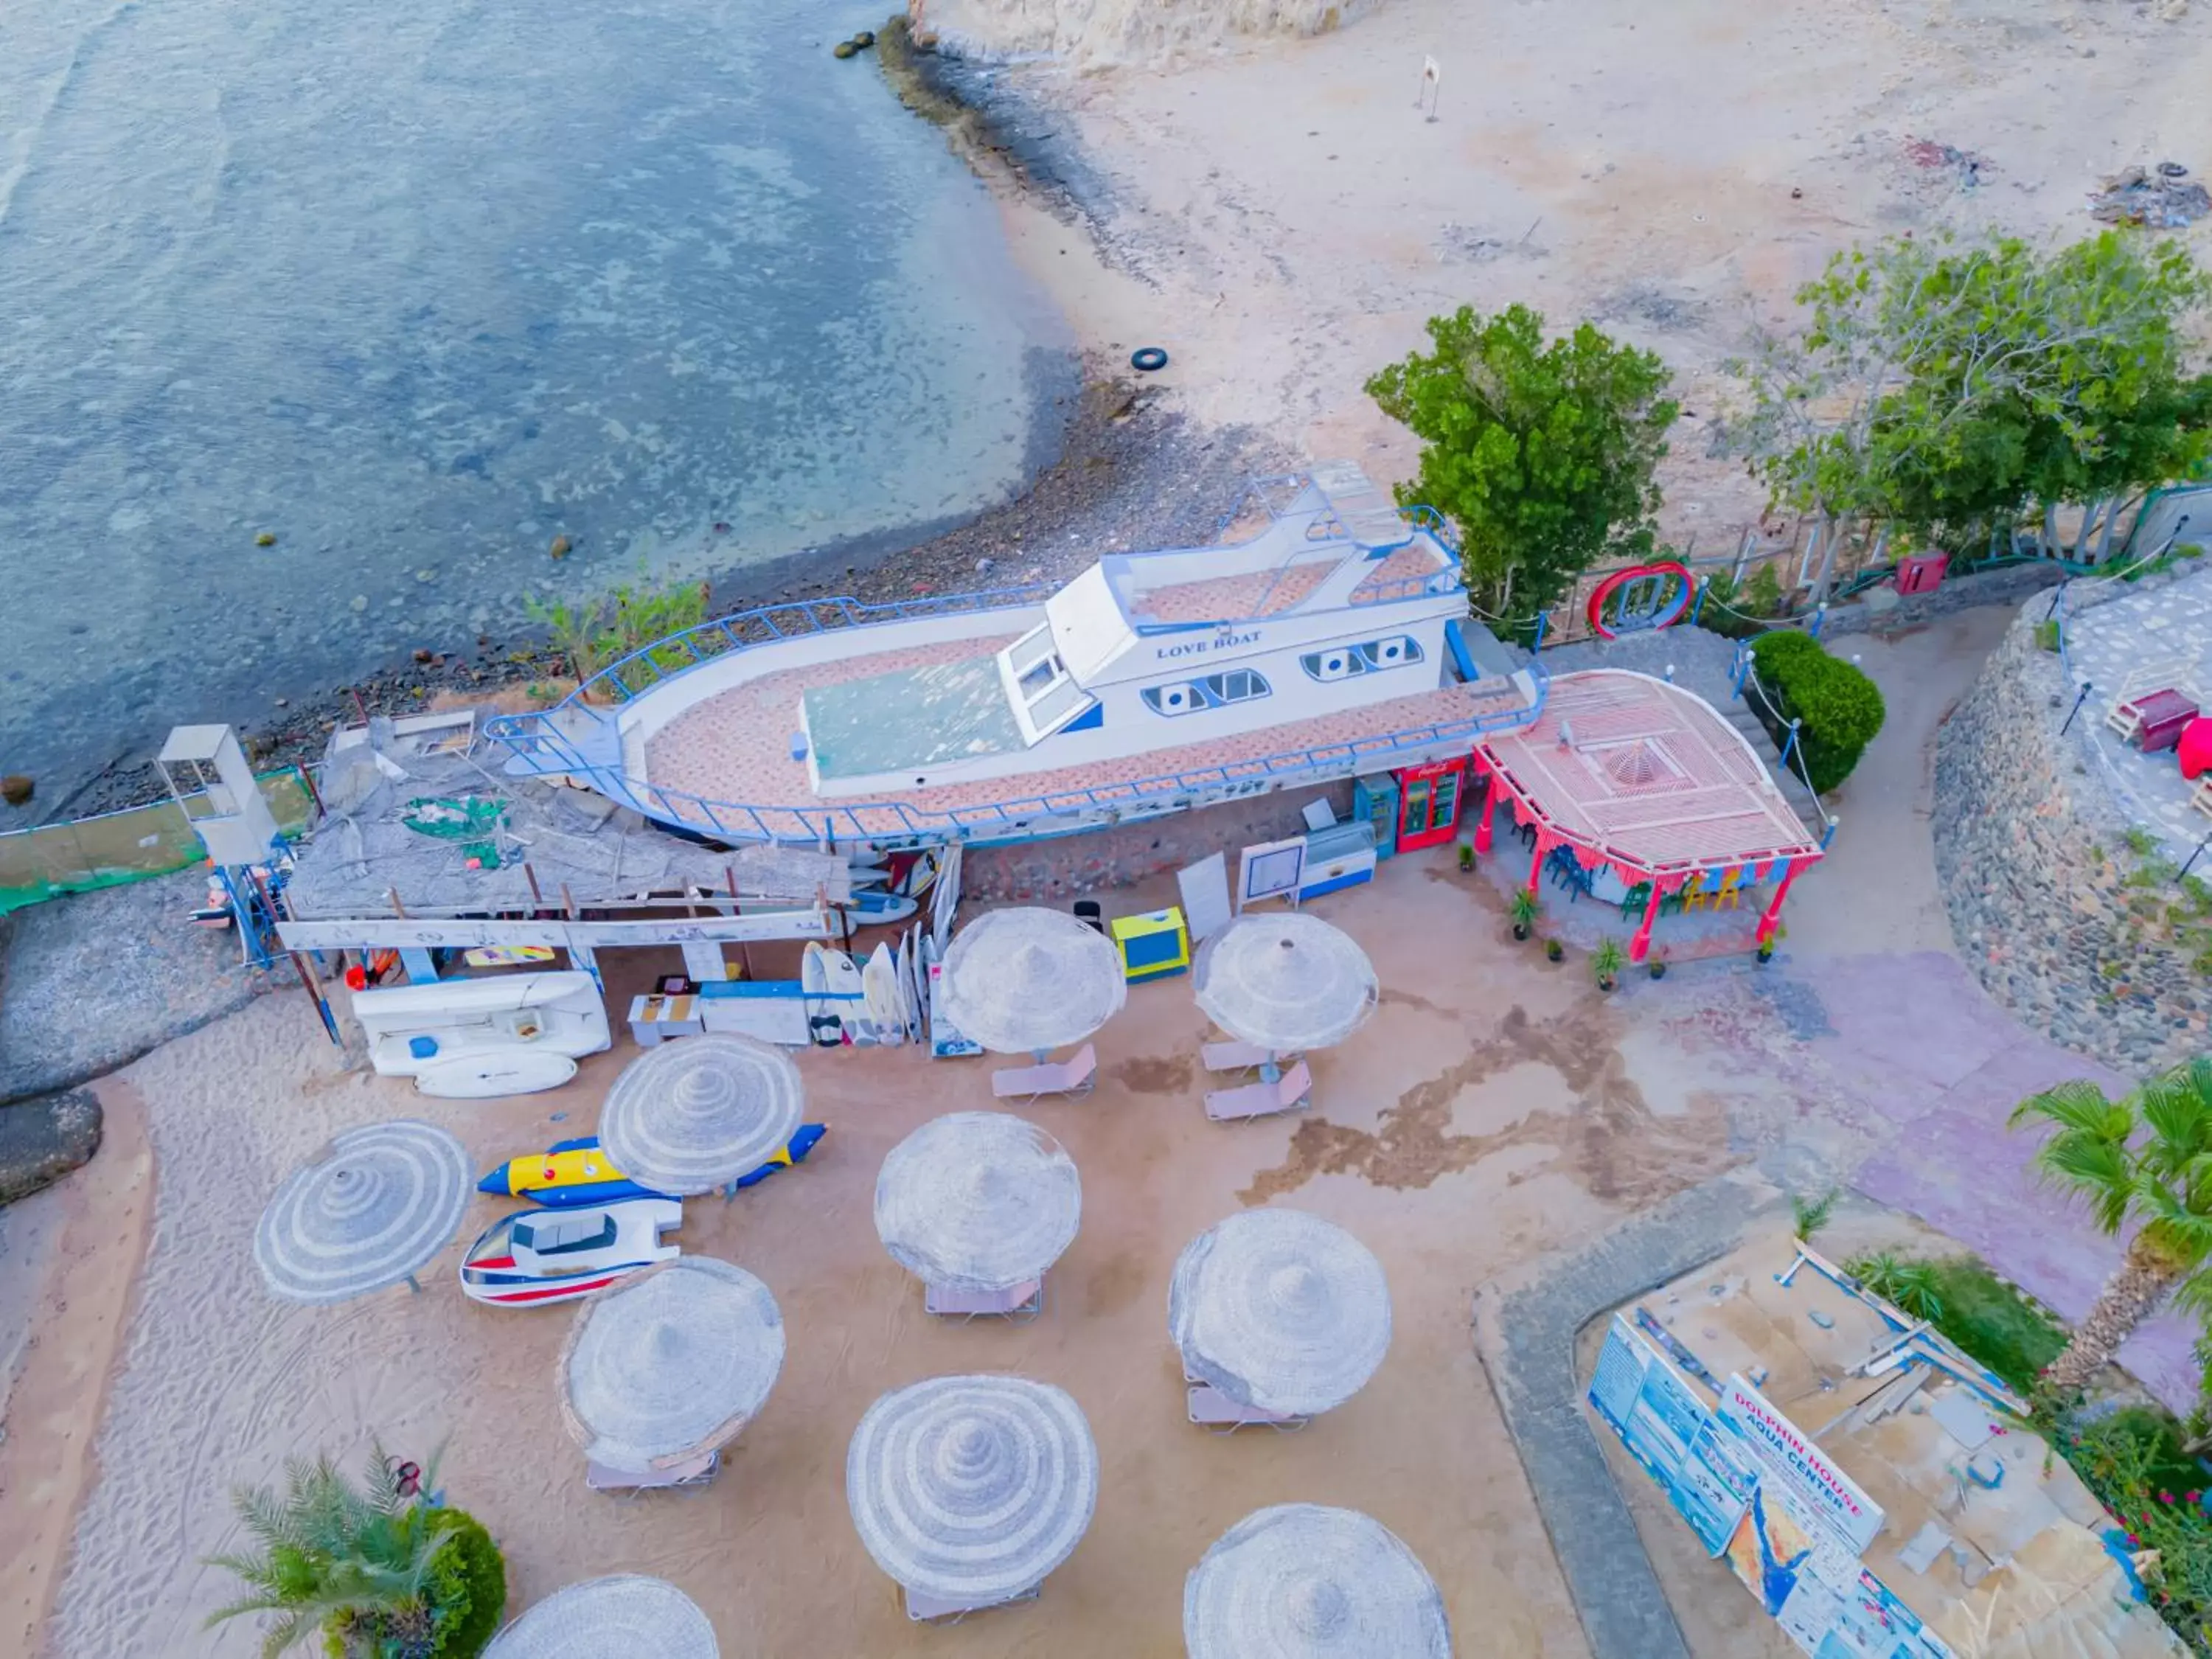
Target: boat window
1183,696
564,1236
1341,662
1235,685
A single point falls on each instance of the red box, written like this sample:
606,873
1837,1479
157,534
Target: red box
1922,573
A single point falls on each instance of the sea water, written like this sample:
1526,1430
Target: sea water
417,286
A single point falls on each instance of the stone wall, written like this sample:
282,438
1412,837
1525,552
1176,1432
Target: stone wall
1039,872
2031,852
2008,585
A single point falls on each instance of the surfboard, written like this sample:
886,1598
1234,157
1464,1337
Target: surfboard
879,985
910,982
490,1074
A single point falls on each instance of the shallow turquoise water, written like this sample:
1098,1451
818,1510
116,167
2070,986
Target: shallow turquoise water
417,287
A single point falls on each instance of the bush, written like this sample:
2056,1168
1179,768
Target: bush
1839,709
1986,1318
2134,1462
468,1586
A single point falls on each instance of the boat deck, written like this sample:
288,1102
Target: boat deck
735,747
1273,592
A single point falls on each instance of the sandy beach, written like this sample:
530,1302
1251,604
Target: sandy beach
1481,1117
1281,219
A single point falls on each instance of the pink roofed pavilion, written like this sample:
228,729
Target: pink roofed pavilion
1649,780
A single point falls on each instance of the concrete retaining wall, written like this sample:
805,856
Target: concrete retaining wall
2031,852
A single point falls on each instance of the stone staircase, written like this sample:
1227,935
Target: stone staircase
1802,800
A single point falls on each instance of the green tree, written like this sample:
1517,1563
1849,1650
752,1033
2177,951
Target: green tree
384,1576
2145,1158
1542,454
1943,386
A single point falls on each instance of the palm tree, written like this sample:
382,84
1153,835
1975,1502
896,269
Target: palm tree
2147,1158
331,1553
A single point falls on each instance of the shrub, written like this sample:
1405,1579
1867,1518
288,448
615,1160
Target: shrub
1986,1318
1839,709
468,1586
2133,1460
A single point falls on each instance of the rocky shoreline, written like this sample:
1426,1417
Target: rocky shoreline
1129,476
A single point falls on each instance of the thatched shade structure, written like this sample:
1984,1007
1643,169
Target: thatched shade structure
1286,981
627,1615
978,1201
1301,1582
1280,1311
664,1367
1024,980
972,1489
373,1212
694,1115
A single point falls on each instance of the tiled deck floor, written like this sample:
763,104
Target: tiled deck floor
2111,646
735,747
1265,592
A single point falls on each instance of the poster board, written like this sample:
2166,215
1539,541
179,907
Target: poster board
1204,887
1271,869
1669,1429
1787,1457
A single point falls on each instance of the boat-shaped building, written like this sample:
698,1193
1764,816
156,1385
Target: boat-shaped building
1327,635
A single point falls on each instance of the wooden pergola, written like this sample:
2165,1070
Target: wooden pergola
1643,777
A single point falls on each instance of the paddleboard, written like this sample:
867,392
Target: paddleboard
910,982
824,1021
490,1074
879,986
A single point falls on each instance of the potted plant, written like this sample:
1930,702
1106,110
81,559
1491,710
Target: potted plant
1605,963
1767,946
1467,855
1657,963
1525,910
1553,951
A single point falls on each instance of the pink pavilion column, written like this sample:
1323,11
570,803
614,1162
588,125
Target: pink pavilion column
1536,863
1488,808
1767,922
1640,947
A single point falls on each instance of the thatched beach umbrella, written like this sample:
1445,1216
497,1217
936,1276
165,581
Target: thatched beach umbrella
1301,1582
664,1368
1286,981
1021,982
978,1201
972,1489
373,1212
627,1614
694,1115
1280,1311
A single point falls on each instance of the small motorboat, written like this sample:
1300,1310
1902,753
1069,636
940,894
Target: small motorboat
573,1172
536,1257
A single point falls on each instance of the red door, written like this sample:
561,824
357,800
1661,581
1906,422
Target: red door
1430,798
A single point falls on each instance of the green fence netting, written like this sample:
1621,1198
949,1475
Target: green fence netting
132,845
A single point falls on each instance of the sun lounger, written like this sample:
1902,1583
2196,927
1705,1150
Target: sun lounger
697,1472
1234,1056
1292,1091
1210,1408
927,1609
1075,1079
1022,1302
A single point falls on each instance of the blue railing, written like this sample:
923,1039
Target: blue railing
538,739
